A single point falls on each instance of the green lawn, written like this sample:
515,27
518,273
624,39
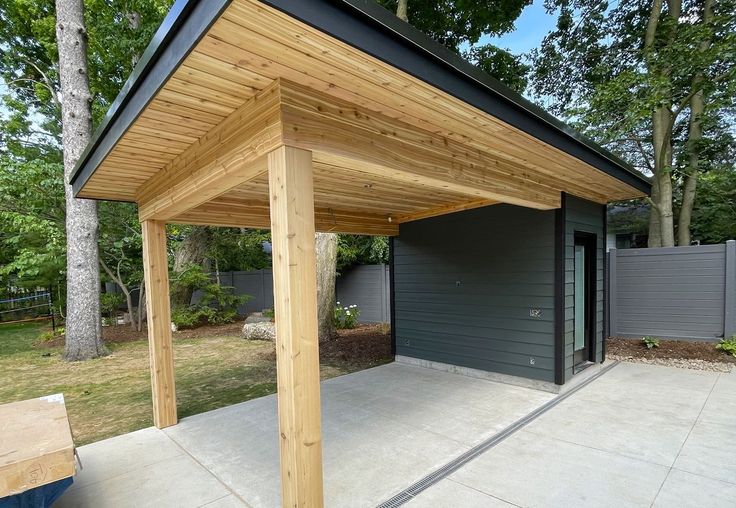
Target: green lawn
111,395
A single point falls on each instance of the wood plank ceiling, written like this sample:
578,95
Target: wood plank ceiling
252,46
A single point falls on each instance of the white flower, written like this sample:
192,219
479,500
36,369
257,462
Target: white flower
338,303
348,313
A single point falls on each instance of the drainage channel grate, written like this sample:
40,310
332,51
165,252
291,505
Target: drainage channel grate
435,476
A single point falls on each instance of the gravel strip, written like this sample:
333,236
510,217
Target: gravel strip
676,362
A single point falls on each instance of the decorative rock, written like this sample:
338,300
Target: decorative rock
260,331
257,317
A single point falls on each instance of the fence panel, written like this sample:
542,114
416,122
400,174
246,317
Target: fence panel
366,286
674,292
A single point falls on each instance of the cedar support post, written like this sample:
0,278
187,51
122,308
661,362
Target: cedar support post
156,271
297,347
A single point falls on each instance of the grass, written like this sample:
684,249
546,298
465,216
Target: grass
109,396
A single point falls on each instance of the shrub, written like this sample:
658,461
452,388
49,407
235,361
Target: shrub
650,342
218,305
51,335
269,313
728,346
346,317
109,303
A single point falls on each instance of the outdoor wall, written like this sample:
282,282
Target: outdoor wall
366,286
675,292
466,287
584,217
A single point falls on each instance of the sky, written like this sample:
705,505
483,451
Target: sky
531,27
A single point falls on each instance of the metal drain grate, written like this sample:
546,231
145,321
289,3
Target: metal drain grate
435,476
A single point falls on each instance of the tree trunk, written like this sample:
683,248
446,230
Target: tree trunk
141,305
402,10
695,135
655,230
326,252
83,321
662,141
191,251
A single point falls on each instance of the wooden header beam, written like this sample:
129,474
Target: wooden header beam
342,135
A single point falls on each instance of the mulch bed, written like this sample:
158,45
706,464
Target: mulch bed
668,349
364,345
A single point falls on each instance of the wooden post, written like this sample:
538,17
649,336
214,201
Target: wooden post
297,346
156,271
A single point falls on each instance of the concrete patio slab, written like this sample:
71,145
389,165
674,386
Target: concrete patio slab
640,435
685,490
451,494
532,470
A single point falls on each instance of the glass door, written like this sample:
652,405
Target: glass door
584,267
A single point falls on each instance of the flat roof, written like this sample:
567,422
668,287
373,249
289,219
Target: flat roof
370,28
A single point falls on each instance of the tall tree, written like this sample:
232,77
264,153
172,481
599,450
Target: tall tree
654,81
83,325
460,24
326,253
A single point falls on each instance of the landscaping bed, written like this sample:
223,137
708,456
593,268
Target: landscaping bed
675,353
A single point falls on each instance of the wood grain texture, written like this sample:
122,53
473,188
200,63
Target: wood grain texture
156,273
297,346
36,446
228,155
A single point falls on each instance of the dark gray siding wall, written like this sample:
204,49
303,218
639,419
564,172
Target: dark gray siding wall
366,286
585,217
675,292
465,284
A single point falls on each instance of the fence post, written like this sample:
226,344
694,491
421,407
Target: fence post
729,311
612,286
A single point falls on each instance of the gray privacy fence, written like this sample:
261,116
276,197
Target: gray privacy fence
366,286
674,292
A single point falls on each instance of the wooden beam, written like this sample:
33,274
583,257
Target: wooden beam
156,274
444,210
255,214
351,136
297,346
230,154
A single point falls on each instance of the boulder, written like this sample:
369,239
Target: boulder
260,331
257,317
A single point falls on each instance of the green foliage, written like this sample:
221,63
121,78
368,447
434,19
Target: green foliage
714,214
502,65
460,24
52,334
650,342
346,317
109,303
269,313
32,237
217,304
361,250
595,71
728,346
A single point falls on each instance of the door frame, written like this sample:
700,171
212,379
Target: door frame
589,241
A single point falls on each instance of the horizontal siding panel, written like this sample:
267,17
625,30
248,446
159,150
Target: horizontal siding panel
503,258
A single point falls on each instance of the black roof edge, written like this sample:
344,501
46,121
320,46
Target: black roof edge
364,25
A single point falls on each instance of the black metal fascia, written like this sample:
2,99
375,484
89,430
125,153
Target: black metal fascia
185,24
370,28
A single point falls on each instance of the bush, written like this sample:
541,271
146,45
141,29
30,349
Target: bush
650,342
217,306
49,336
346,317
109,303
728,346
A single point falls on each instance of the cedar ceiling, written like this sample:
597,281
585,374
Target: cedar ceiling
252,46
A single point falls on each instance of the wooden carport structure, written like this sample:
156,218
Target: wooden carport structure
316,115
